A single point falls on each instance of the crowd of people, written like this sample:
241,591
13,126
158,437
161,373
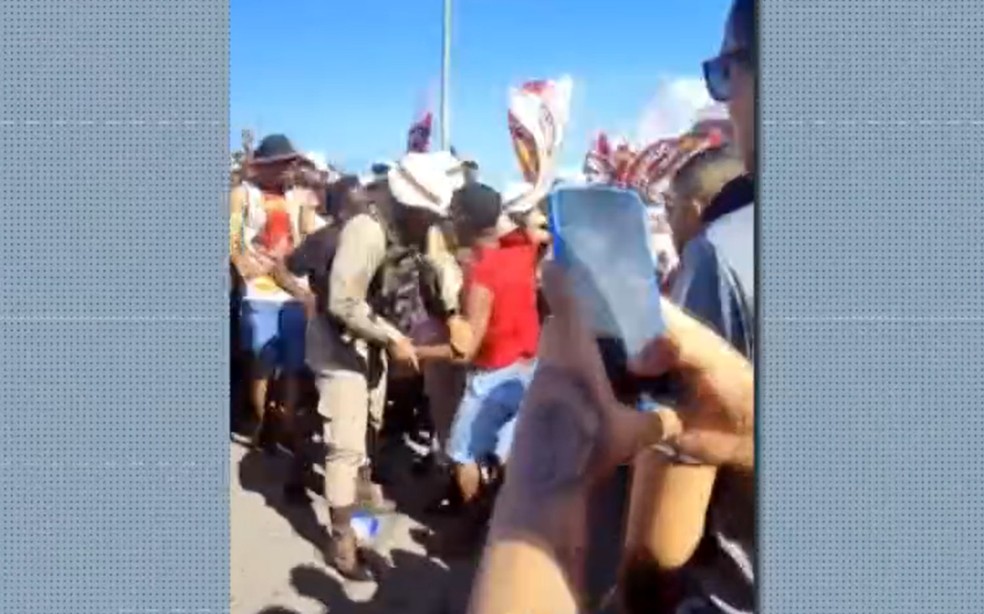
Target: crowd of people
419,301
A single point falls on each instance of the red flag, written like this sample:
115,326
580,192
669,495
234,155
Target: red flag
418,138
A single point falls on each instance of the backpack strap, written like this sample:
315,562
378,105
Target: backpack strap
746,313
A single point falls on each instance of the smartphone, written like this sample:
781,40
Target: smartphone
601,238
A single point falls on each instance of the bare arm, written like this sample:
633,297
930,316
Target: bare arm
529,565
667,508
285,280
246,267
478,311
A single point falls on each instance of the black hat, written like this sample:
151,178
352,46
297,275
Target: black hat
478,204
275,148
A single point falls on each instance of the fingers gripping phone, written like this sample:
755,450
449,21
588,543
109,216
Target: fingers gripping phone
601,238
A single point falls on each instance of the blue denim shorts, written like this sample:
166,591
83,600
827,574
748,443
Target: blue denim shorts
274,333
486,415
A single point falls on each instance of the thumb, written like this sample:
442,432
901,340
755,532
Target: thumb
567,339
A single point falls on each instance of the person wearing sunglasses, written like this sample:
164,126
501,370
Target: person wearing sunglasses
571,432
730,76
692,524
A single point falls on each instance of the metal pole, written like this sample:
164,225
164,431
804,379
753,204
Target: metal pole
446,79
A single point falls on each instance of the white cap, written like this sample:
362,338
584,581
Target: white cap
422,180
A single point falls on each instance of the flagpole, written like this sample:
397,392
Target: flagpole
446,78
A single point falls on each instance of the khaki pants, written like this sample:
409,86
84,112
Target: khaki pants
349,409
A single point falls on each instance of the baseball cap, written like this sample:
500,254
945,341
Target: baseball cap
477,204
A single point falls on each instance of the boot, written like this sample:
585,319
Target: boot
342,551
369,495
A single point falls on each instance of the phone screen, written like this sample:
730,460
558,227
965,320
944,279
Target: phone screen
601,237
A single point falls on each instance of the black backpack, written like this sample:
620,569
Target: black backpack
404,291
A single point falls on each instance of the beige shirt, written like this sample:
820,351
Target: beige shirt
360,253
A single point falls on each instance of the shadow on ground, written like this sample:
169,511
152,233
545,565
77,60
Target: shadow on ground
265,474
408,582
413,584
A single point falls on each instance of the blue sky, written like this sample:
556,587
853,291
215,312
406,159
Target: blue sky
345,78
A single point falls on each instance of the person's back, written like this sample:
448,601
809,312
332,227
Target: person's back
667,518
509,272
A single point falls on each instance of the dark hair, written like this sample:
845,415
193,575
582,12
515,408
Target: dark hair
479,205
337,191
741,23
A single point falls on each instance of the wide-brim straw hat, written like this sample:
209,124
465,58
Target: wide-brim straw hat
275,148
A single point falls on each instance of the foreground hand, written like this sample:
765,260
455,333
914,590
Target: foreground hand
572,430
571,433
718,407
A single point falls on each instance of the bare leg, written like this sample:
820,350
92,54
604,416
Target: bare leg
258,397
469,481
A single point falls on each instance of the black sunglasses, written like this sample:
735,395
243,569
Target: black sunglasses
718,70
